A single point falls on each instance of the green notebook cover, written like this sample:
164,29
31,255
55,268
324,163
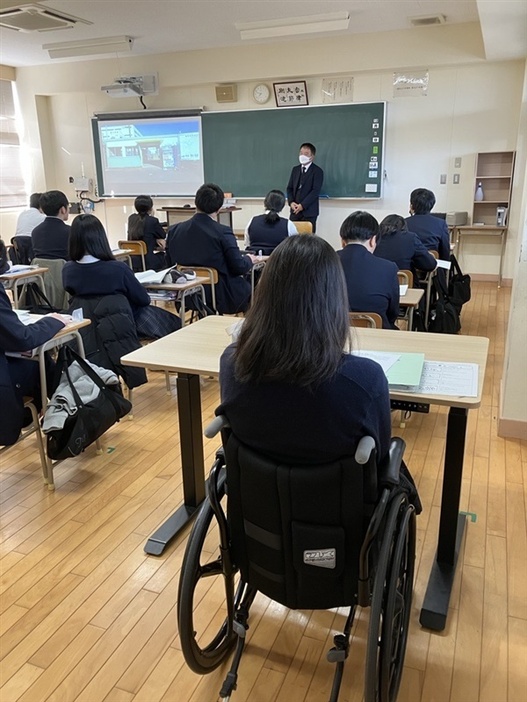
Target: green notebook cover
406,372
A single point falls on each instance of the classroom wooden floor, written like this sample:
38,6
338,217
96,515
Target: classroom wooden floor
88,617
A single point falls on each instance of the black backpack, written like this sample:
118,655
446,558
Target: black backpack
444,315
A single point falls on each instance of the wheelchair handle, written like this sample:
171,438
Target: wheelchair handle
218,423
364,450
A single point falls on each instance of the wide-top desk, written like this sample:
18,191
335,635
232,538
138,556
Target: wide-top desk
175,215
482,230
196,350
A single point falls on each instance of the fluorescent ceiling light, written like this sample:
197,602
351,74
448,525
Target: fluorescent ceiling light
293,26
89,47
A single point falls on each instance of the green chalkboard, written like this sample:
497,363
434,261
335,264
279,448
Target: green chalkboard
250,152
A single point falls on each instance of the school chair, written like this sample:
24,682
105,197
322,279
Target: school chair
304,227
370,320
34,428
137,248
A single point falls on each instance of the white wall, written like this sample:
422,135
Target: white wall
472,105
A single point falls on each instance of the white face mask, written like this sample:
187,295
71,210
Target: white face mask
304,160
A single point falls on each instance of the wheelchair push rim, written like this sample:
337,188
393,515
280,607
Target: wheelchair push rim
391,604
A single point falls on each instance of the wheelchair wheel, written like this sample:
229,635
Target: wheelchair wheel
205,650
391,604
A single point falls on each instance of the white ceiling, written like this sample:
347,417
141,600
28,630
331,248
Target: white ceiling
164,26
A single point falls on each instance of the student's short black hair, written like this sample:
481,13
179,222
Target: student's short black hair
422,200
143,204
88,236
34,200
52,201
209,198
309,146
359,226
392,224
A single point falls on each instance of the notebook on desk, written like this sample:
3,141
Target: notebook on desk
402,370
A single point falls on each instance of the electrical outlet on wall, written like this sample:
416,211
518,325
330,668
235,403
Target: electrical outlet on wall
455,179
442,179
457,162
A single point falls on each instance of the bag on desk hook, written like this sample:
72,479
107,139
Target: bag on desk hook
86,421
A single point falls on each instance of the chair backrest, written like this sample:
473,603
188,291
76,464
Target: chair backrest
54,289
304,227
371,320
137,247
23,248
211,274
434,253
406,277
296,530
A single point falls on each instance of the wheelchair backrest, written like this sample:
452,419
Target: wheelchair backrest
296,531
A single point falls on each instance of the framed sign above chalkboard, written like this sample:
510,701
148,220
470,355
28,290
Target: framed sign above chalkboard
250,152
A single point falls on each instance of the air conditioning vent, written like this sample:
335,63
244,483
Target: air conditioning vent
427,21
37,18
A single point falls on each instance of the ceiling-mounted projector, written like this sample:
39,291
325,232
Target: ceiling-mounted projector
132,86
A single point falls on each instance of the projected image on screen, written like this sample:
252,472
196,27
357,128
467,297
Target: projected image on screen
153,156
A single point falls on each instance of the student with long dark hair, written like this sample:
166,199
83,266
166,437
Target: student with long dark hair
93,271
289,386
265,232
143,226
395,243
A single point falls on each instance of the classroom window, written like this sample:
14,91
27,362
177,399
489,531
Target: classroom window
12,187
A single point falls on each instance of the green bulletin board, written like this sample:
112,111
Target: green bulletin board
249,152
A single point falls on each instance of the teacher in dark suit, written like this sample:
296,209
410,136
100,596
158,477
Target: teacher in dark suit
202,241
303,189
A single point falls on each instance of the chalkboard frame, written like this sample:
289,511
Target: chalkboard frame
249,152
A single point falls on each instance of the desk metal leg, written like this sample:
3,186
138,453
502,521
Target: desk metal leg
451,526
192,462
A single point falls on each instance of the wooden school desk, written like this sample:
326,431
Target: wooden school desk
196,350
11,281
410,300
185,290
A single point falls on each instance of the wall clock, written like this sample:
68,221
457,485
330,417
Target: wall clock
261,93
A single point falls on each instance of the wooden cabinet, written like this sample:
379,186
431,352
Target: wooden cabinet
494,170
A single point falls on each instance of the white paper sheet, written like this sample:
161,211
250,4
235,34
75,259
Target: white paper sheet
442,378
384,358
403,290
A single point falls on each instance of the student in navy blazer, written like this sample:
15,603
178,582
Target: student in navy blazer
202,241
395,243
19,376
51,238
372,282
303,189
432,230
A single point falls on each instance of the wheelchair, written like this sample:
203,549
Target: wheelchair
340,534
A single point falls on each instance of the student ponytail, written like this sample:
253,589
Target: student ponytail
274,202
136,222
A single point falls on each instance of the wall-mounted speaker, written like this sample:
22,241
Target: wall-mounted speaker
227,92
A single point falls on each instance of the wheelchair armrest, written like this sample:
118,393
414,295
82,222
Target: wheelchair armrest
391,465
218,423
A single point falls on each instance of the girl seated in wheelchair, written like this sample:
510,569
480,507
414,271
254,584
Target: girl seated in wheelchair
289,386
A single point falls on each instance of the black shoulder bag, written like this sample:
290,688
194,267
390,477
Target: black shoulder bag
444,317
91,419
458,285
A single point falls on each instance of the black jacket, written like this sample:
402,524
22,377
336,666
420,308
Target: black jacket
433,232
111,334
51,239
372,283
201,241
406,250
309,193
